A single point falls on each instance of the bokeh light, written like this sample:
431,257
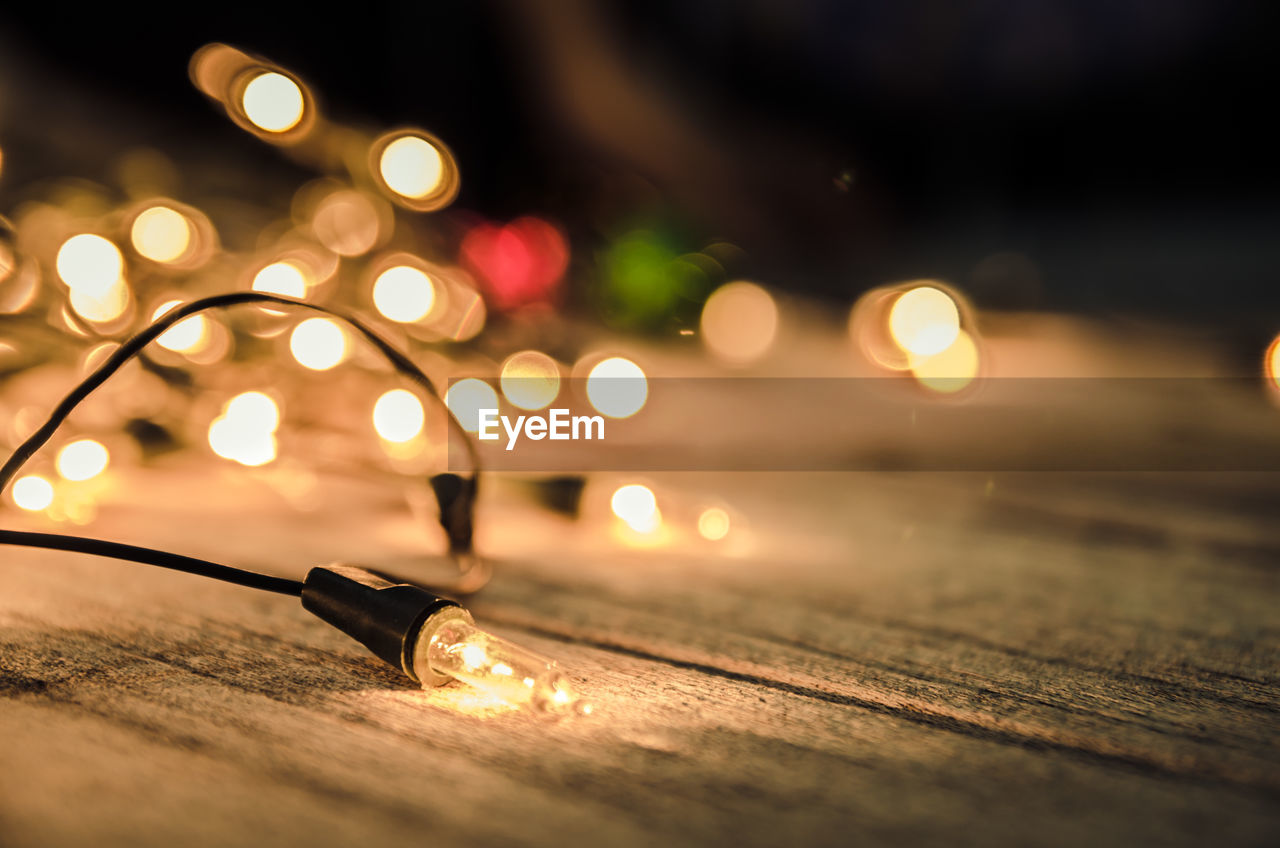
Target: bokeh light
32,493
103,308
617,387
90,265
318,344
1272,360
412,167
952,369
245,432
924,321
240,444
187,336
637,507
519,263
404,294
347,223
713,524
273,102
647,280
82,459
739,323
530,379
466,398
161,234
398,416
283,278
254,410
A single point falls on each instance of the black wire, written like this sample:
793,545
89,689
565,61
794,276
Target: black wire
148,556
123,354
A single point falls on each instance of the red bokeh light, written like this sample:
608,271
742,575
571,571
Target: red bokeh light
517,263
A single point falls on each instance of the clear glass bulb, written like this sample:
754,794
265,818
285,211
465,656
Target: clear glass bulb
451,646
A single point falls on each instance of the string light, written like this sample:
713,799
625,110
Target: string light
90,265
273,102
415,169
187,336
617,387
404,294
422,174
924,321
466,398
505,671
637,507
101,308
739,323
950,370
254,410
32,493
1272,363
283,278
245,431
412,167
82,459
713,524
318,344
530,379
161,234
398,416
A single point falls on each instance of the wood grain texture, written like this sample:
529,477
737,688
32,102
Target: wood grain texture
876,659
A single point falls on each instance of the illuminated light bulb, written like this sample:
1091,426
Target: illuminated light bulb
283,278
451,646
530,379
247,445
466,398
398,416
187,336
82,459
948,371
90,265
161,234
32,493
411,167
617,387
713,524
404,294
253,411
924,321
273,102
637,507
739,323
434,641
1272,360
318,344
101,309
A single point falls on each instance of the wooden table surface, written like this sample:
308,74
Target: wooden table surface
877,658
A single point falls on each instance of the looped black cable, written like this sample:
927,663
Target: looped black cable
455,516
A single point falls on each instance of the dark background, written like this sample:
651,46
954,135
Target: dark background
1121,151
